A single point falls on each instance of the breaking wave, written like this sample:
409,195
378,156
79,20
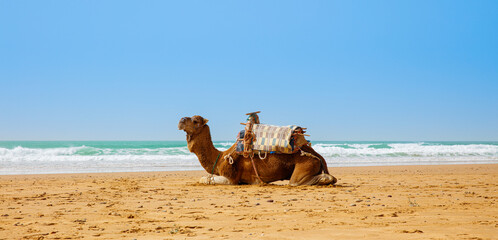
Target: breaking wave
406,150
73,157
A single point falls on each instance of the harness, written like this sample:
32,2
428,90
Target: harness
212,172
267,139
255,170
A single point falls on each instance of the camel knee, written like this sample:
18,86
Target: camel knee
215,180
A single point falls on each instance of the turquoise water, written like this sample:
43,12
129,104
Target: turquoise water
33,157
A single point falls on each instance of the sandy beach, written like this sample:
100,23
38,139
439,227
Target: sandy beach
391,202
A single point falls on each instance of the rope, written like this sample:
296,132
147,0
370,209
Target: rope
259,153
211,178
303,153
229,157
255,170
212,172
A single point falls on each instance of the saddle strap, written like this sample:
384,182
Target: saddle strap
255,170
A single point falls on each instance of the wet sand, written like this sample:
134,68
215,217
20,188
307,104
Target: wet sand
392,202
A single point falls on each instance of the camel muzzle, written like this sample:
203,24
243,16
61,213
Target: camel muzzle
181,124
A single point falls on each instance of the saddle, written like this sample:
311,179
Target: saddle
261,138
268,139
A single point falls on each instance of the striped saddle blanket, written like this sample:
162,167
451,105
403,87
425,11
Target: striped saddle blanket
272,139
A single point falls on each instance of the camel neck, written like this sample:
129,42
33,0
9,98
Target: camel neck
202,146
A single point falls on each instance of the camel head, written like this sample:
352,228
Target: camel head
192,126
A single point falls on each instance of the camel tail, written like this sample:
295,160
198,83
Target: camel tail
309,149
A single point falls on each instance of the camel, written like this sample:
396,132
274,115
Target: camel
308,168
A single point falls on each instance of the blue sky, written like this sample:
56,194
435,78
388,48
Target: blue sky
346,70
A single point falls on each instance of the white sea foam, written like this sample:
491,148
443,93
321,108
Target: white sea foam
406,149
22,153
26,160
406,154
22,160
225,144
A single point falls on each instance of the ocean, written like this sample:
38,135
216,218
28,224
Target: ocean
43,157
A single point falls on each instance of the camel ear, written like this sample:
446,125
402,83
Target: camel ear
205,121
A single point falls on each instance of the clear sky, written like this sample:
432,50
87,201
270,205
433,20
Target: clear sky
346,70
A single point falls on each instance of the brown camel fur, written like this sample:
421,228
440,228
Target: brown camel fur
299,169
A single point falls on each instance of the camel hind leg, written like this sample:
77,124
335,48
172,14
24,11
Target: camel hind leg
320,179
307,173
